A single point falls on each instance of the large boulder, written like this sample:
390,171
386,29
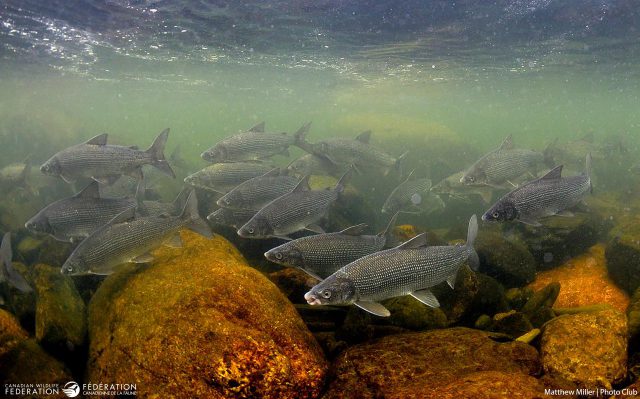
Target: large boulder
203,320
588,348
420,365
623,255
508,261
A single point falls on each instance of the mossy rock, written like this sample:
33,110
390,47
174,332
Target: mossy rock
409,313
492,385
201,318
538,308
420,365
633,317
21,304
511,323
61,324
588,348
43,249
623,259
508,261
517,297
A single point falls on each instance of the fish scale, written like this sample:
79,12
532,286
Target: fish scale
222,177
251,146
401,196
508,164
295,209
257,192
543,198
348,151
109,160
398,272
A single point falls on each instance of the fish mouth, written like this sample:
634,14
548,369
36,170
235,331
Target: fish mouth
312,299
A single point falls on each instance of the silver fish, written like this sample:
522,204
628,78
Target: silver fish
297,210
323,254
502,165
235,218
222,177
106,163
412,196
148,207
7,272
73,219
549,195
312,164
355,152
16,175
409,269
452,187
257,192
128,239
254,144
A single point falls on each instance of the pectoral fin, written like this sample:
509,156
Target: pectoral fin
426,296
451,280
565,213
531,222
144,258
174,241
315,228
373,308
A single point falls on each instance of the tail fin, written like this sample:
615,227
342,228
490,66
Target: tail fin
587,172
13,277
157,154
339,188
399,161
472,233
390,240
192,218
300,138
548,154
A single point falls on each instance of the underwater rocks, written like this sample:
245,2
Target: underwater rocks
584,282
422,365
22,360
538,308
623,255
588,348
61,325
200,318
508,261
46,250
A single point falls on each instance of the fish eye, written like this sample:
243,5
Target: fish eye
278,256
69,268
250,230
326,294
495,214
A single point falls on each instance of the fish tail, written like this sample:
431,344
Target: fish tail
157,154
547,154
399,161
192,217
587,171
472,233
339,188
300,138
389,236
13,277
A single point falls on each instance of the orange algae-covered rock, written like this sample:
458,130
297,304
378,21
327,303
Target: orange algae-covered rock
419,365
584,281
492,385
198,322
588,349
10,332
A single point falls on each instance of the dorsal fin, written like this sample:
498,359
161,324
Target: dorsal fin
553,174
100,139
507,143
122,217
409,176
303,185
356,230
418,241
364,137
91,191
272,172
259,128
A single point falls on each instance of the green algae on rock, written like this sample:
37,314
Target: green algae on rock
538,308
623,256
588,348
419,365
198,322
508,261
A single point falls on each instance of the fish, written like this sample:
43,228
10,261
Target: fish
7,272
222,177
257,192
75,218
235,218
153,207
127,238
356,153
549,195
297,210
322,255
312,164
16,175
254,144
411,268
452,187
105,163
503,164
413,196
571,153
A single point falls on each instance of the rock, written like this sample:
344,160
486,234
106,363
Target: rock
517,297
489,298
563,238
483,322
217,329
538,307
44,249
456,303
409,313
623,256
419,365
21,304
511,323
508,261
293,282
584,282
331,346
356,326
633,317
61,325
588,349
491,385
22,360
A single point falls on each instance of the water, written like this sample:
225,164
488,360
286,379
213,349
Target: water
445,81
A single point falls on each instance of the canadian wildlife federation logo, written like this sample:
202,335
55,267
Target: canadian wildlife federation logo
71,389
